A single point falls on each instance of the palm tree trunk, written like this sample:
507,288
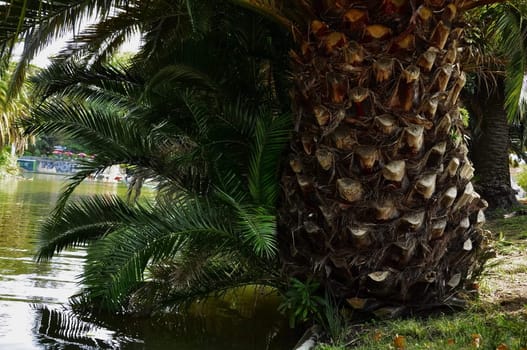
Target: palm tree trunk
377,199
490,150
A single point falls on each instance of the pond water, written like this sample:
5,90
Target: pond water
34,311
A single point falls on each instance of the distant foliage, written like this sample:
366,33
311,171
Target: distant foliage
521,178
4,157
8,164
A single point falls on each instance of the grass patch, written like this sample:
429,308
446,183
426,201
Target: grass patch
513,228
489,329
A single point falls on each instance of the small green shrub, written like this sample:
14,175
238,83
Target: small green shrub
301,302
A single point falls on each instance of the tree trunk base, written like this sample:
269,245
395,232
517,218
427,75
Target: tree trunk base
498,196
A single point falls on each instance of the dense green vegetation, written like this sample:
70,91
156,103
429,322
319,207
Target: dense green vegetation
12,112
211,138
7,162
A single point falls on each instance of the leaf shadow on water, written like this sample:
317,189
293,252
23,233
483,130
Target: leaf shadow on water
63,329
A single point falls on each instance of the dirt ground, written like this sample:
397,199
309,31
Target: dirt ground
505,281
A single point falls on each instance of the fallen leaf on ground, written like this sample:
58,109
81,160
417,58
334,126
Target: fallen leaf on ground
377,335
476,340
399,342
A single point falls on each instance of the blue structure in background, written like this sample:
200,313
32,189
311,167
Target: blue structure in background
28,164
47,165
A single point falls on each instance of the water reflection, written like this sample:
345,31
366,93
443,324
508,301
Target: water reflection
64,330
61,329
32,296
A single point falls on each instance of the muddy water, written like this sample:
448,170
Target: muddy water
33,297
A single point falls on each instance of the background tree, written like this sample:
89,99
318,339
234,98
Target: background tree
12,111
498,37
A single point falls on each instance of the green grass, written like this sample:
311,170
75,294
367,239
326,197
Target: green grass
514,228
458,331
495,326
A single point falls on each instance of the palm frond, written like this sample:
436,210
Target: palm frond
484,58
117,261
103,130
41,22
98,121
127,239
182,75
172,287
97,43
62,74
200,113
99,127
176,118
227,144
257,226
270,139
199,14
270,9
240,117
164,27
84,170
102,84
471,4
512,26
497,53
12,111
80,222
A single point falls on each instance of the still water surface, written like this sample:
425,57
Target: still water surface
33,297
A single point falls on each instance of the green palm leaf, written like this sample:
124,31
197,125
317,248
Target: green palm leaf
271,136
271,9
512,26
116,262
41,22
257,226
169,289
100,83
182,74
97,43
80,222
97,126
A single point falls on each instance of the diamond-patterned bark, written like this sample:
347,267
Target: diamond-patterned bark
377,195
